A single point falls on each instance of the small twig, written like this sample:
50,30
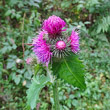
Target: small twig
22,32
30,44
23,46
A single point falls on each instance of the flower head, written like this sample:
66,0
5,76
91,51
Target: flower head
41,48
54,25
45,46
74,41
60,45
29,60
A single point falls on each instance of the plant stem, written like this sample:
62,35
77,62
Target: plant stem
55,94
50,75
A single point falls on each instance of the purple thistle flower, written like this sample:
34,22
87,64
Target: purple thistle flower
53,25
74,41
41,48
51,42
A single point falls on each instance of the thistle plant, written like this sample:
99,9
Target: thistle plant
56,52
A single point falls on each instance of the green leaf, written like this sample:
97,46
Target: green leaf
8,13
71,70
36,68
33,93
16,78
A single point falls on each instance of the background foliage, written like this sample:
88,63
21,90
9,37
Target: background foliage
19,23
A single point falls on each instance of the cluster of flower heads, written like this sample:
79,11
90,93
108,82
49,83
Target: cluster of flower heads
53,42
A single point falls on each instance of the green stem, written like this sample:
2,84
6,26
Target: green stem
49,73
55,94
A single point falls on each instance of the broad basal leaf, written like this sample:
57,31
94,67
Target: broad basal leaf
33,93
71,70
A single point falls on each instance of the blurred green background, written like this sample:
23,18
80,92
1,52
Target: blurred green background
20,20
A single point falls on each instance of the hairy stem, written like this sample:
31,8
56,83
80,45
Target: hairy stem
50,75
55,89
56,96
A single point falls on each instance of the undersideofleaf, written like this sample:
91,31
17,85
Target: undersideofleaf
33,92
